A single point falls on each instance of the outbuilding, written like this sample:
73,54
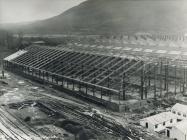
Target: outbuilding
159,121
177,131
180,110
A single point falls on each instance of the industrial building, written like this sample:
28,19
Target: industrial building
105,74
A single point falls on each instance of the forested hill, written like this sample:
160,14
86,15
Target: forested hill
101,16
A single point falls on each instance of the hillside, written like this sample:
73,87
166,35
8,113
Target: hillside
101,16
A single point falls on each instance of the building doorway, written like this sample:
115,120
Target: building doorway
168,133
146,125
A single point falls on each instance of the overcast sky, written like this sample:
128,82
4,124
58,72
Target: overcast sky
12,11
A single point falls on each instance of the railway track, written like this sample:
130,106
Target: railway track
17,129
29,127
94,122
73,112
11,127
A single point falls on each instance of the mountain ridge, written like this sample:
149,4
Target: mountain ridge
119,16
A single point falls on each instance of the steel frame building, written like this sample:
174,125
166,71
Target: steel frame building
105,74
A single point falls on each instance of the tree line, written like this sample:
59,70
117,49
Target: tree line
9,41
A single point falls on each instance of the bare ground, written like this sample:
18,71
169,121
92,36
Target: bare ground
30,110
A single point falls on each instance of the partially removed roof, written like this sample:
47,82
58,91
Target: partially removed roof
15,55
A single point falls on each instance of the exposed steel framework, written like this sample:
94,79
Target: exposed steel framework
103,73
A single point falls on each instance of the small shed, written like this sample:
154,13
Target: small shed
180,110
159,121
177,131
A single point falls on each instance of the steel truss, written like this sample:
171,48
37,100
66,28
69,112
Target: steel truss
100,75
